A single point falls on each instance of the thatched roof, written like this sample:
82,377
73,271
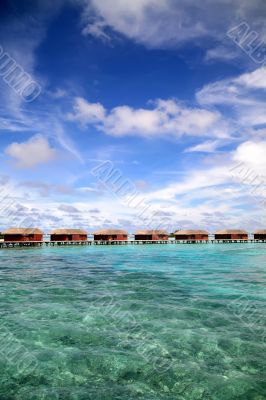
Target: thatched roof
64,231
23,231
231,232
110,232
260,231
151,232
191,232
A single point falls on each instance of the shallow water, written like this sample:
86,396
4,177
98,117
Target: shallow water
133,322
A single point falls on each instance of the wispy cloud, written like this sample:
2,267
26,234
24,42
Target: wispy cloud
243,97
209,146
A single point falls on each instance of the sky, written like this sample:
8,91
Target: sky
134,114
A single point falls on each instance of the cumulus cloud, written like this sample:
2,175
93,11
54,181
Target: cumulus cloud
253,155
165,117
86,112
34,151
225,111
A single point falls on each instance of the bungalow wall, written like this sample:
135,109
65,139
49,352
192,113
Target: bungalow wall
110,237
151,237
23,238
60,238
159,237
68,238
79,238
260,236
192,237
232,236
143,237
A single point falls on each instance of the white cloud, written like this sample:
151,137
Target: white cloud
68,208
253,80
222,52
170,23
231,109
140,20
207,196
166,117
34,151
208,146
216,193
193,181
57,93
244,97
86,112
96,29
228,111
221,188
253,154
234,90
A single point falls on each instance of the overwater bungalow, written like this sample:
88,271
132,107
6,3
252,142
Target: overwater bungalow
68,235
23,235
231,234
151,235
260,234
110,235
191,235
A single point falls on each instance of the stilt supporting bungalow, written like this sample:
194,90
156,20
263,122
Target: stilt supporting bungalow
68,235
231,234
192,235
23,235
151,235
108,235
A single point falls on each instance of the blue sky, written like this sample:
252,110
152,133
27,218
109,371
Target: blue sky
158,91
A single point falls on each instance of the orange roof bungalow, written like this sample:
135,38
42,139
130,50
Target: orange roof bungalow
260,234
68,235
151,235
110,234
23,235
192,234
231,234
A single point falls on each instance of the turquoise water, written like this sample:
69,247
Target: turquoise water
133,322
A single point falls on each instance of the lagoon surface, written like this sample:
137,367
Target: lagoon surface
133,322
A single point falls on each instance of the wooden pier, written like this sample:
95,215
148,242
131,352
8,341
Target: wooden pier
44,243
120,242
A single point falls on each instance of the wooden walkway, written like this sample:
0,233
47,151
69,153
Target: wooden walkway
119,242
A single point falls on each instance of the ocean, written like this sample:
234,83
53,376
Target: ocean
174,321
